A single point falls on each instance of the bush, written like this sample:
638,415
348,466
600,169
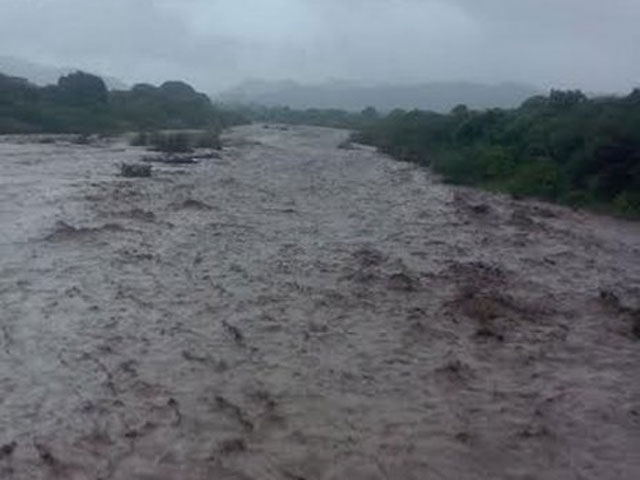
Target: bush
578,198
563,147
475,165
82,89
539,178
209,139
135,170
627,203
499,163
141,139
463,167
171,142
81,103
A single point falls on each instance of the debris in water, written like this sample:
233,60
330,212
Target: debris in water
235,332
402,282
480,208
636,324
131,170
609,298
45,454
64,231
171,159
190,203
7,449
233,409
231,446
175,406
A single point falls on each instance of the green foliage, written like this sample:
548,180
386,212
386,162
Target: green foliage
141,139
480,164
82,89
171,142
81,103
462,167
539,177
566,98
370,113
563,147
627,203
209,139
499,161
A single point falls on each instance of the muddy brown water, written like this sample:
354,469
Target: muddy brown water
295,311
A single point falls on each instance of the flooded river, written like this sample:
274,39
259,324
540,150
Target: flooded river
297,311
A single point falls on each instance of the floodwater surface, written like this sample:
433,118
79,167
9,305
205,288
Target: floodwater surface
297,311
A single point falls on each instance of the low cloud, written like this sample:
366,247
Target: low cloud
215,43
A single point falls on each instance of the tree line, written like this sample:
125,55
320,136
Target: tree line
563,147
81,103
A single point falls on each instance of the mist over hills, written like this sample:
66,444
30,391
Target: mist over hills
41,74
435,96
345,95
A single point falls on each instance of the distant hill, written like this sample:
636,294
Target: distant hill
42,75
437,96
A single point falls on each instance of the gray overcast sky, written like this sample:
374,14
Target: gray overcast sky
591,44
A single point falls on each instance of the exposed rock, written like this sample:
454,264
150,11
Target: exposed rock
7,449
131,170
480,208
402,282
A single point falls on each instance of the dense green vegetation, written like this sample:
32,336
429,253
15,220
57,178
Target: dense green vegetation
563,147
81,103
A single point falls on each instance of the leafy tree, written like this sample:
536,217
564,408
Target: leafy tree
369,113
562,147
81,103
81,88
539,177
566,98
